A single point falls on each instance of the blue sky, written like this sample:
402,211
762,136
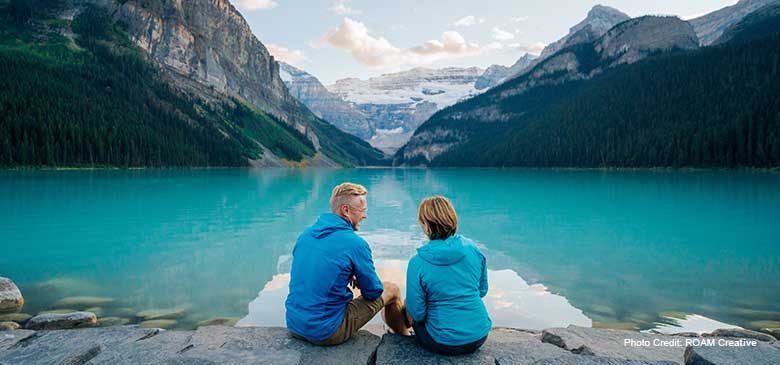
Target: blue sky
334,39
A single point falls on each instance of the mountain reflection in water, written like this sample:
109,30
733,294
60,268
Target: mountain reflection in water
510,301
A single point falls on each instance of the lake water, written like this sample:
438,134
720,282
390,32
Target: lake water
625,249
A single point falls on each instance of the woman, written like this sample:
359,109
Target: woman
445,283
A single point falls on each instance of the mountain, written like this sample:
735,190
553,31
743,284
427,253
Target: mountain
326,105
647,106
496,74
599,20
709,27
396,104
188,78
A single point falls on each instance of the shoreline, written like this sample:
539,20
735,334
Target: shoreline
380,167
241,345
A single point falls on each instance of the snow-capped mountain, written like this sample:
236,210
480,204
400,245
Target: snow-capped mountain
326,105
395,104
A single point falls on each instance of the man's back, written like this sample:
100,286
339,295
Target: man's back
325,258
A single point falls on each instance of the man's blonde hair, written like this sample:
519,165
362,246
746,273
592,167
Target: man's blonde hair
438,214
343,193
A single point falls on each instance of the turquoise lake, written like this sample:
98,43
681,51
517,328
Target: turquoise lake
624,249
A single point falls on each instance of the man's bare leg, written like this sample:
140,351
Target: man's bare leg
395,313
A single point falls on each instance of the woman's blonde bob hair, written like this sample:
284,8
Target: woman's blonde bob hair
438,218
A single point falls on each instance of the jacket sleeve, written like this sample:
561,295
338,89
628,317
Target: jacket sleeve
483,280
370,286
415,294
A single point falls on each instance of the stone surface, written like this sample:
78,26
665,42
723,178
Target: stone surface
9,339
168,313
762,354
51,321
740,333
274,346
11,299
9,326
15,317
612,343
82,302
256,345
504,346
62,346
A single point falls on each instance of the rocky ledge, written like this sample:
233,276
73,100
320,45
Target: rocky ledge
251,345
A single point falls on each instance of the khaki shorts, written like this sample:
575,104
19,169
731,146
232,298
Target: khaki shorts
359,312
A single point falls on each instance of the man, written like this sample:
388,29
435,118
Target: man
327,258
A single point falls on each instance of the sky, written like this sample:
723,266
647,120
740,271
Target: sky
335,39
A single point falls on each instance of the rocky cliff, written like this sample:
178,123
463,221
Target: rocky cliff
331,107
599,20
710,27
497,74
209,47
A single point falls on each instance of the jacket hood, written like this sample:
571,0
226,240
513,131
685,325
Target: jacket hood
329,223
443,252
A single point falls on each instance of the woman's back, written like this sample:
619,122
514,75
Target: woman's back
446,281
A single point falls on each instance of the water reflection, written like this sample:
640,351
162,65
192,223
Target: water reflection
690,323
511,301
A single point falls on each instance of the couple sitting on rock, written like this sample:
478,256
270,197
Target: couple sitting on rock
445,281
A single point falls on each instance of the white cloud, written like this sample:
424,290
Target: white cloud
533,48
519,19
502,35
255,4
373,51
291,56
342,7
468,21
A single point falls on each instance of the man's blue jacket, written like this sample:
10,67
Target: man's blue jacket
325,258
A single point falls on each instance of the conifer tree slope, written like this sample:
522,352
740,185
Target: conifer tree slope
712,107
79,93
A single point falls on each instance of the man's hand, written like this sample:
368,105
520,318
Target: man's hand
353,282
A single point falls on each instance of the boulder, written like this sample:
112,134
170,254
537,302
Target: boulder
772,331
158,323
113,321
740,333
97,310
616,344
762,354
52,321
11,299
58,311
82,302
9,326
219,322
168,313
15,317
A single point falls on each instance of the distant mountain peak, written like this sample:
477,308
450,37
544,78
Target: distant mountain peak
601,18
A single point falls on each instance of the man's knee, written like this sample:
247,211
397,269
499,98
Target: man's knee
392,291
